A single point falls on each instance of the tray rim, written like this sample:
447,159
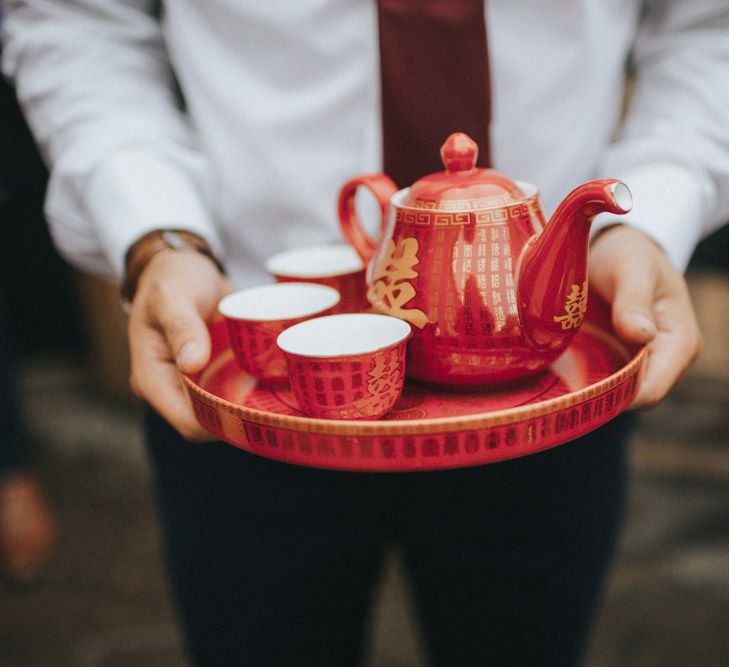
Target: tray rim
404,427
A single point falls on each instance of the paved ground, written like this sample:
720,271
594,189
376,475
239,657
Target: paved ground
104,602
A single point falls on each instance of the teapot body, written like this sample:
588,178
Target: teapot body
493,293
452,275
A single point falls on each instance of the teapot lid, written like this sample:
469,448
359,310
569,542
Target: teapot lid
462,186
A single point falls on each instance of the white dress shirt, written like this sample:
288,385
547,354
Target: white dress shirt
282,106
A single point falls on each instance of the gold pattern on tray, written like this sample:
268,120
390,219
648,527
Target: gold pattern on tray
575,308
391,290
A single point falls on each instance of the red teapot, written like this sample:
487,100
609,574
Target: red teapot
493,292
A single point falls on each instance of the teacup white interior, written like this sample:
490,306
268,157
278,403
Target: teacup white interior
315,261
282,301
343,335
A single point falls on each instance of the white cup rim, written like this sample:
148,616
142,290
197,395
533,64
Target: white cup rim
278,302
319,261
344,335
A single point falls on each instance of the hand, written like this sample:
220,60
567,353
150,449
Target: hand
177,292
650,305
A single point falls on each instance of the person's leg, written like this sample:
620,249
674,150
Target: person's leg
27,527
13,450
508,560
271,563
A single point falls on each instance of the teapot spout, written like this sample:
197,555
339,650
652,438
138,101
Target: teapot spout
552,274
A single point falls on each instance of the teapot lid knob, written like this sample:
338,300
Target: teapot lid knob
459,152
463,185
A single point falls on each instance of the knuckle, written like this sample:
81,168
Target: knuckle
175,320
649,400
160,300
696,350
176,333
164,292
690,348
192,432
148,295
650,394
652,402
135,385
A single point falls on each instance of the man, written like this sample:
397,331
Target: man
273,563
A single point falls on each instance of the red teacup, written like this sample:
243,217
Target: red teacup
348,366
256,316
338,266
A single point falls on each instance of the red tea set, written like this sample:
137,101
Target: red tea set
468,294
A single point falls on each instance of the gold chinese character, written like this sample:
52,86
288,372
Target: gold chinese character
384,380
575,308
390,289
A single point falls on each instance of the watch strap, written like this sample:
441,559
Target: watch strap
141,252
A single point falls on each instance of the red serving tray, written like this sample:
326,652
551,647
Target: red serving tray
429,428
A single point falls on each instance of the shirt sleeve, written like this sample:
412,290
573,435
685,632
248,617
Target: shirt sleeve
96,86
673,151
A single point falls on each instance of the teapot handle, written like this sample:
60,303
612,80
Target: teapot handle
382,187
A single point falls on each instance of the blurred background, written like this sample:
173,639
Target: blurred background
99,597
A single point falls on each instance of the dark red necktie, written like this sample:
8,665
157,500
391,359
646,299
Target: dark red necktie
435,81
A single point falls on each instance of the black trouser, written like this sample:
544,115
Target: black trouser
274,564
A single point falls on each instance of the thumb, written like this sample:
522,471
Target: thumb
186,334
632,309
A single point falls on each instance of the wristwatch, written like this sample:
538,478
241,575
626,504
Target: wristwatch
143,249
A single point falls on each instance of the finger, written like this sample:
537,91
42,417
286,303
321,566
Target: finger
676,346
168,395
156,379
632,306
186,334
627,280
665,364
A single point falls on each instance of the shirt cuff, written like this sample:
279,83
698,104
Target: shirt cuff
669,205
132,193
